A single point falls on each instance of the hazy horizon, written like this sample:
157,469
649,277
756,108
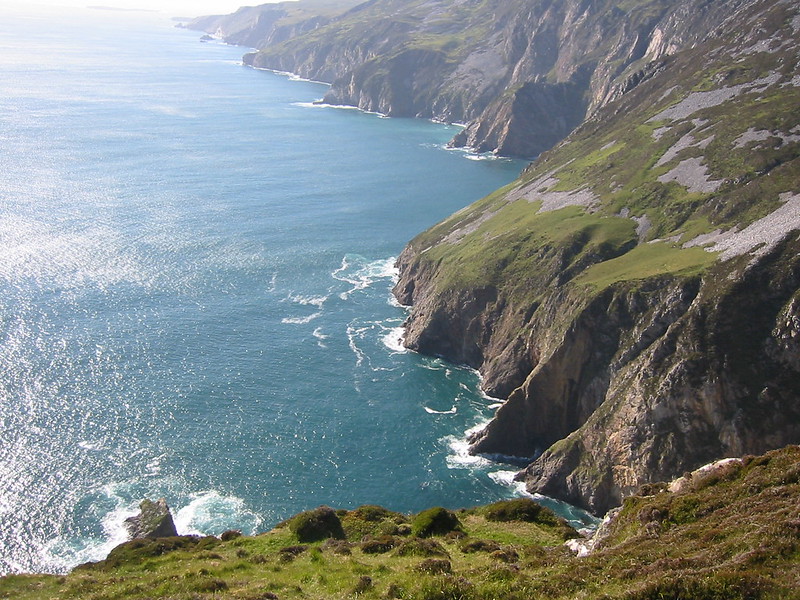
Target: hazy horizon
188,8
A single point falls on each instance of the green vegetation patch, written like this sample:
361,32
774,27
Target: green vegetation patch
435,521
731,534
316,525
645,261
520,250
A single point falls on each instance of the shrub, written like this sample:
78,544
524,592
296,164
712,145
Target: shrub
337,546
370,512
379,545
229,535
434,566
471,546
507,555
289,553
435,521
363,584
520,509
316,525
421,547
370,520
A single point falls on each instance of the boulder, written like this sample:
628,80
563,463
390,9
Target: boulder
153,521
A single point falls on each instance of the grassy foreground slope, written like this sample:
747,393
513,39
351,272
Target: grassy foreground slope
731,533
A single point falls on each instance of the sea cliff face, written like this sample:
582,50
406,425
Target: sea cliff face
521,74
635,294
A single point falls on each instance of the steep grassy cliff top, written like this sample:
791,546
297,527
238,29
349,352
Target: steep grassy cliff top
700,163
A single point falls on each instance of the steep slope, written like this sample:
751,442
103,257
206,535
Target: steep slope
521,73
259,26
728,533
636,293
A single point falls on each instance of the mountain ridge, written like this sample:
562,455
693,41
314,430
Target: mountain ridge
522,75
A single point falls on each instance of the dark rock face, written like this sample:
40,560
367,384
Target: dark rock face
530,121
153,521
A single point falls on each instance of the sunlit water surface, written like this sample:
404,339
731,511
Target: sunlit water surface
195,274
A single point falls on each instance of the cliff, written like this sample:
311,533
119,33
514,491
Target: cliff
729,532
635,295
266,24
522,74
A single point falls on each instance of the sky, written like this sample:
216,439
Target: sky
187,8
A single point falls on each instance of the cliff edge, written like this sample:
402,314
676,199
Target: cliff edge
520,74
635,295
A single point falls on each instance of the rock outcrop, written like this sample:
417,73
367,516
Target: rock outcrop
153,521
635,295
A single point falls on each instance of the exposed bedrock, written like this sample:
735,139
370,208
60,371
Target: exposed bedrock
521,74
639,383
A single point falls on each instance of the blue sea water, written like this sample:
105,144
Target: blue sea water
195,275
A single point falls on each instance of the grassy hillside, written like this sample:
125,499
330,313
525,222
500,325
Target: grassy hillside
733,533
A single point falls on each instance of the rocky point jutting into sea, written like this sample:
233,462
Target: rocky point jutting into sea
634,295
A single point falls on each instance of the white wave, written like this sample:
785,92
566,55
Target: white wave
211,513
321,337
288,74
394,339
495,406
92,446
300,320
352,332
63,553
154,465
478,427
362,273
460,458
452,411
319,104
506,478
393,301
317,301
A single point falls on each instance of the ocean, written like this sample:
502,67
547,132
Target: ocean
195,273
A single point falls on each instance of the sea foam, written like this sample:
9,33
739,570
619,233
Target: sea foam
211,513
394,339
362,273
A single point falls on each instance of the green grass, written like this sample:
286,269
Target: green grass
731,535
645,261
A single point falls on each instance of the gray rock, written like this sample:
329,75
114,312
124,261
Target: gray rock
153,521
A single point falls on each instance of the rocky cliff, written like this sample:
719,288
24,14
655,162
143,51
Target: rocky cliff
635,295
521,73
268,24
